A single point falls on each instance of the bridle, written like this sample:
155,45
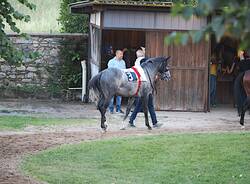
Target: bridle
164,72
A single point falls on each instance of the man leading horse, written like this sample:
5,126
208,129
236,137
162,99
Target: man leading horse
113,81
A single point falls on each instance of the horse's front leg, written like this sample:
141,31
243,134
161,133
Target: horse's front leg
145,110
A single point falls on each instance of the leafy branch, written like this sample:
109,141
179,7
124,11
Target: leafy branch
8,16
229,17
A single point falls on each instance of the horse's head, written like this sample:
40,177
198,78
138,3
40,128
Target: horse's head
158,66
164,68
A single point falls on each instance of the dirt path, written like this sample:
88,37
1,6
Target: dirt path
15,145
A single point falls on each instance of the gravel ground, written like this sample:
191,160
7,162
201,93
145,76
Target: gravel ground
15,145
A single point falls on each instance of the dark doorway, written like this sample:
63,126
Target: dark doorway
226,52
120,39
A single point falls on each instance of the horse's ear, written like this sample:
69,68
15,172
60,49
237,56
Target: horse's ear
168,58
149,61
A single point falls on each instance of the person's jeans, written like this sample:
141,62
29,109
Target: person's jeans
212,89
118,104
138,108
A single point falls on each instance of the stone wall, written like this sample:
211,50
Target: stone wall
36,72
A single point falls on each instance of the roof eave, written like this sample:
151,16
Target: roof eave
87,8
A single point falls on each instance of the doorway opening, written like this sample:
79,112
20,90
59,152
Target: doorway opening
126,40
226,52
113,40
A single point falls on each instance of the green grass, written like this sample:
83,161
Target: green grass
43,19
20,122
181,158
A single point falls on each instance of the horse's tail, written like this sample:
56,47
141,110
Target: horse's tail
239,92
95,91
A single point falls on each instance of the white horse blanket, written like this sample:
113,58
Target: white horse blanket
133,75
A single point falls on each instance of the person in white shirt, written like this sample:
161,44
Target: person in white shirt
140,54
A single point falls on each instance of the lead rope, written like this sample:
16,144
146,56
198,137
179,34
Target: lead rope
154,89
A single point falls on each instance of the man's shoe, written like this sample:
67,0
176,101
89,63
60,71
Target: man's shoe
157,125
120,112
131,125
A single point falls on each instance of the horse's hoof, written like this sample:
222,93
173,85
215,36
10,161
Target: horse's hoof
149,127
241,123
122,128
242,127
104,128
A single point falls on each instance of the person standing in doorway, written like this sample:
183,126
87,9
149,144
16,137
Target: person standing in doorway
116,62
213,80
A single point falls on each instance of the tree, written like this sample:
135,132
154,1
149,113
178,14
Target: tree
71,52
226,16
72,23
8,16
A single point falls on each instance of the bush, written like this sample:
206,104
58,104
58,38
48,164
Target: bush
72,23
71,55
73,51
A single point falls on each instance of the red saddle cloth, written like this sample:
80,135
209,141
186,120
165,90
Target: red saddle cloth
246,82
139,80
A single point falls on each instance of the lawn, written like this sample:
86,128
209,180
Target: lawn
43,19
20,122
174,158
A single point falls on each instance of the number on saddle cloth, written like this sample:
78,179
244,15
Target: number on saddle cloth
131,76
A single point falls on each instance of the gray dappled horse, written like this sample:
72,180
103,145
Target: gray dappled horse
113,81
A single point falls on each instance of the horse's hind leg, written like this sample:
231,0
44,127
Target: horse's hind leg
102,107
131,101
145,110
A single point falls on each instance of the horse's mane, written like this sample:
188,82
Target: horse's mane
150,61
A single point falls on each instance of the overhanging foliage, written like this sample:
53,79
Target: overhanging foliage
72,23
229,17
8,16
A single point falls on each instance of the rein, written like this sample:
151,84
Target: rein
152,86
